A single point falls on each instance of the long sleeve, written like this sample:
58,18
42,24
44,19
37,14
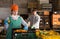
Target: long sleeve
28,21
25,24
6,23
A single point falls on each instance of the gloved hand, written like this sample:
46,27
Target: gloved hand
32,27
6,24
25,28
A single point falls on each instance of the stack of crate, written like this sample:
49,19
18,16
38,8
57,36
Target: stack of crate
46,19
41,13
44,22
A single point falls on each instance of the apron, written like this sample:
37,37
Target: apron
13,24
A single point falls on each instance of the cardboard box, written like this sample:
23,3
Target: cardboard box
56,19
46,12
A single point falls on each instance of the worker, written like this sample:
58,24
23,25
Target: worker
33,23
14,21
34,20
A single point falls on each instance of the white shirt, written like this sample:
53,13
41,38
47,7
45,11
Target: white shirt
34,21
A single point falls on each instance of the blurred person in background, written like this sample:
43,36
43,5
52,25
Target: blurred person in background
33,23
33,20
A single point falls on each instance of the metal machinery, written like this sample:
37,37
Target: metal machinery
56,21
44,16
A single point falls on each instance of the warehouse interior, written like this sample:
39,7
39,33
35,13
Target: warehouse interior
48,10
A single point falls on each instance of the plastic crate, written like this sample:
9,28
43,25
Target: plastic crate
24,35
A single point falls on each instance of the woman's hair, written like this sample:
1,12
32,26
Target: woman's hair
14,7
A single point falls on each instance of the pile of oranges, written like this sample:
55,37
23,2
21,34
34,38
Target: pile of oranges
48,34
20,30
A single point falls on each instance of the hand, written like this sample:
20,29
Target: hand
28,24
32,27
25,28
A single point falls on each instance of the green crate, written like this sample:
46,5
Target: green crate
24,36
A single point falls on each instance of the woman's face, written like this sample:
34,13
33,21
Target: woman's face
15,12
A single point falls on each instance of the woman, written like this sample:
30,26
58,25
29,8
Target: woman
14,21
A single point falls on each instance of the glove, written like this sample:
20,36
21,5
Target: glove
32,27
25,28
6,24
